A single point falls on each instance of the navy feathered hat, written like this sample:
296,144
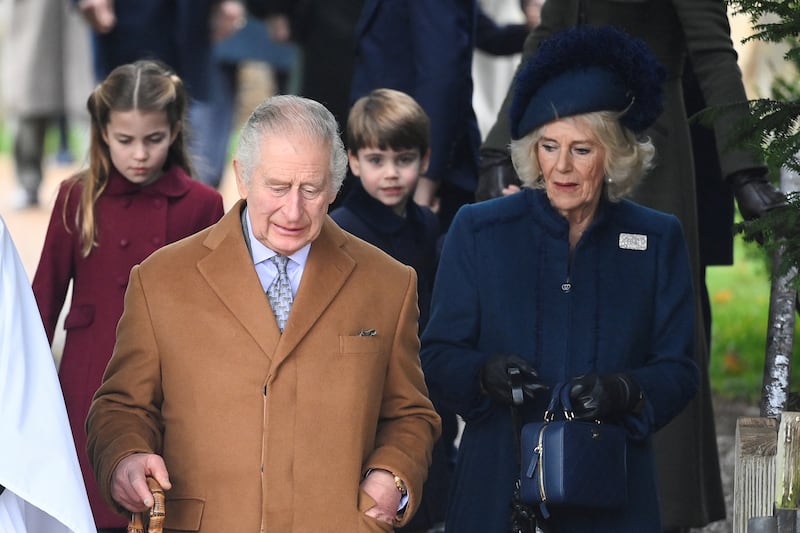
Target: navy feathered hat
586,69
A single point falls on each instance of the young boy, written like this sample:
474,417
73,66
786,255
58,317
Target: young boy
388,143
388,137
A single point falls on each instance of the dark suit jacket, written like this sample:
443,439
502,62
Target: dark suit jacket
176,32
424,48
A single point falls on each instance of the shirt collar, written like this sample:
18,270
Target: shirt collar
261,253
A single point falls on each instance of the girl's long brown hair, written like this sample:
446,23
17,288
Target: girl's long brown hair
145,85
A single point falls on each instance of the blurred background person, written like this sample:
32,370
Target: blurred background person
493,70
46,73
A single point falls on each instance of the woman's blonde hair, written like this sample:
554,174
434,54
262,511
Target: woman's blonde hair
145,85
627,158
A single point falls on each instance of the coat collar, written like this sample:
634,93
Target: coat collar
378,215
228,269
173,183
554,222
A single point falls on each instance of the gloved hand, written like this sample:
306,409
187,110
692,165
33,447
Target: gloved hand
497,382
496,172
598,396
755,195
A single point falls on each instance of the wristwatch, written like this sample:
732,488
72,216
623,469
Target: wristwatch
398,481
400,484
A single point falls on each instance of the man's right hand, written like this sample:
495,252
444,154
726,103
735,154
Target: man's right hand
128,483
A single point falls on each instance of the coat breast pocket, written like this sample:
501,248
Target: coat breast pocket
359,345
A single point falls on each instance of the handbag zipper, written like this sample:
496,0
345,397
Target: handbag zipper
540,449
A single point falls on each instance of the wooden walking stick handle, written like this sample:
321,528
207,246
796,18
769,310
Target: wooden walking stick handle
155,518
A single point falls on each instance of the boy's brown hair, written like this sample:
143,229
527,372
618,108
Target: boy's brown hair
386,118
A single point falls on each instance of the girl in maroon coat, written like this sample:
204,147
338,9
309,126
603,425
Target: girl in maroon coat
135,197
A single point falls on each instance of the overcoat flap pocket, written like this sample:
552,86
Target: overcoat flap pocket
184,514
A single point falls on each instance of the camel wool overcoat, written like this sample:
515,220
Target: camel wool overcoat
263,431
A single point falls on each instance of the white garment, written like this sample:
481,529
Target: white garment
492,75
38,464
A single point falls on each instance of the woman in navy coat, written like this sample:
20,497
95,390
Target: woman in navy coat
139,197
568,282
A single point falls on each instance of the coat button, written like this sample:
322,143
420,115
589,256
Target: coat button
122,281
156,241
123,243
566,287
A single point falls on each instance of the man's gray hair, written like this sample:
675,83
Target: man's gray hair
291,115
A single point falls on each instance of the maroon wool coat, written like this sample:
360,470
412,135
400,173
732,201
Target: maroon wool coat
132,222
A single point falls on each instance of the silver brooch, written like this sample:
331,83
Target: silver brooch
632,241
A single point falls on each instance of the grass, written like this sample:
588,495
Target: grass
740,297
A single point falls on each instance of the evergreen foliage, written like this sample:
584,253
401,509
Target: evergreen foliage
774,127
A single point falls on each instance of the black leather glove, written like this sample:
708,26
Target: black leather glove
499,376
598,396
755,195
495,173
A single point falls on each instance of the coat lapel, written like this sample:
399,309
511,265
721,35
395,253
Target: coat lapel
326,272
228,270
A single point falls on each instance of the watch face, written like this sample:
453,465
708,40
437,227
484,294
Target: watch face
400,484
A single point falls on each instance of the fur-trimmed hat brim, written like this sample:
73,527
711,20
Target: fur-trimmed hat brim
587,69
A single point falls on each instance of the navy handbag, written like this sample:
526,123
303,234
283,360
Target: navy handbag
572,463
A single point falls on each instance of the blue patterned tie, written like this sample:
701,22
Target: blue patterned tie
280,292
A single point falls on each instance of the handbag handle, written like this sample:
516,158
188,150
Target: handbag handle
559,398
156,514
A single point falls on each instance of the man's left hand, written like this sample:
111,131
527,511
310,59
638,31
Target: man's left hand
380,486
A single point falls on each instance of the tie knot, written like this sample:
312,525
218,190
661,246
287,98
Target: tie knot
280,262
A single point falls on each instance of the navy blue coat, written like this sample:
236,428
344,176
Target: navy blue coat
412,239
507,283
424,48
